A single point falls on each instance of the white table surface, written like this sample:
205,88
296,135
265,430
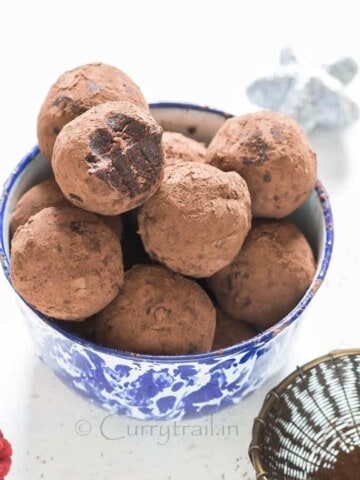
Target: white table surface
203,53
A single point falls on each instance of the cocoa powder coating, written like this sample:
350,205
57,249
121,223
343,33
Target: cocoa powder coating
66,262
48,194
269,275
42,195
273,155
110,159
179,148
196,223
230,331
75,92
158,312
115,223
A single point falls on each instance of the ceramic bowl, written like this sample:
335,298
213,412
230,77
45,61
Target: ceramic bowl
167,387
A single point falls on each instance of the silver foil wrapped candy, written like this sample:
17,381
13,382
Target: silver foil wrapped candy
315,97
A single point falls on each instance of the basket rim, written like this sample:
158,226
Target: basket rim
274,395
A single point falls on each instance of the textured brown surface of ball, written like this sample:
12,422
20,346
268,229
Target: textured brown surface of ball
273,155
230,331
75,92
66,262
196,223
115,223
158,312
110,159
269,275
42,195
179,148
48,194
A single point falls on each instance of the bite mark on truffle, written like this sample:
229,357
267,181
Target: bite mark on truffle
127,160
118,143
75,92
100,141
90,158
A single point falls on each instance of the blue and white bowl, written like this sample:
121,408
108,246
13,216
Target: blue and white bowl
167,387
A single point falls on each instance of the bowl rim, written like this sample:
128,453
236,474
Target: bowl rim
255,342
274,395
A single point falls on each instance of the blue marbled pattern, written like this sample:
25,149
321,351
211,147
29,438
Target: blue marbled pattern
168,387
147,388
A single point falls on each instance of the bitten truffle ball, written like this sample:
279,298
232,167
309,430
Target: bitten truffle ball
179,148
110,159
66,262
196,223
158,312
78,90
42,195
269,275
273,155
230,331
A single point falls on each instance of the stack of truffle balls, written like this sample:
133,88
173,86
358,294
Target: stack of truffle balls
209,259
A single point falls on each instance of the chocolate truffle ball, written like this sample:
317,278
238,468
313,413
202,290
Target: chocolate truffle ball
273,155
110,159
196,223
42,195
115,223
48,194
269,275
66,262
78,90
178,148
230,331
158,312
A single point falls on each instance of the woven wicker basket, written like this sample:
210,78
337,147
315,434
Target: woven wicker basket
308,419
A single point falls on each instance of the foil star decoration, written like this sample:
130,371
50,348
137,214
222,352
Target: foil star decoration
315,97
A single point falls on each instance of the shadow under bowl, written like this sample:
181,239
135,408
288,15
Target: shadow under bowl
167,387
